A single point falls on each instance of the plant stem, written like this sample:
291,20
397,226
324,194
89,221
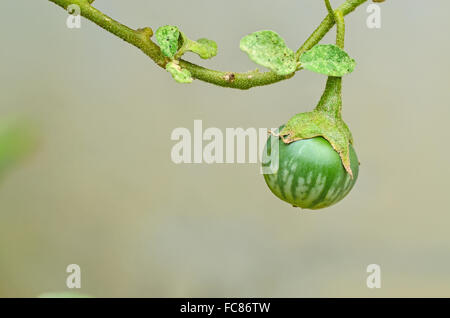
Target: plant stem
346,8
338,17
331,100
141,39
329,7
340,24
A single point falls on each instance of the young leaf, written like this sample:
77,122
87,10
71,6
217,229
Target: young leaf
174,44
167,37
327,59
180,75
205,48
268,49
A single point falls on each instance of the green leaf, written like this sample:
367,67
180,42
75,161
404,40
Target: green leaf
168,40
268,49
174,44
205,48
327,59
180,75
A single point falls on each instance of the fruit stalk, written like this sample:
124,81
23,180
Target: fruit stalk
331,100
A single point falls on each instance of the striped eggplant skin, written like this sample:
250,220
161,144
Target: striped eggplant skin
310,173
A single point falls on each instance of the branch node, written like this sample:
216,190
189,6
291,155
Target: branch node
146,32
230,77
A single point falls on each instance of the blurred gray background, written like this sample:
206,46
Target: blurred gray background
102,192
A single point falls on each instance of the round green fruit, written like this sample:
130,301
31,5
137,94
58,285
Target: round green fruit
310,173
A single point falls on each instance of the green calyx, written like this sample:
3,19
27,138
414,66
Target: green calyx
325,121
